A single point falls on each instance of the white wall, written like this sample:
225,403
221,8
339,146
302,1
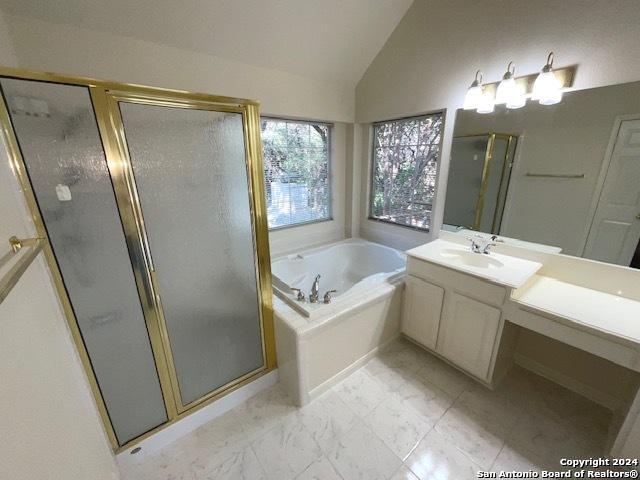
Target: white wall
431,58
7,52
75,51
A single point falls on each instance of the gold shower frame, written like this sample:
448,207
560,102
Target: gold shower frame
105,96
486,168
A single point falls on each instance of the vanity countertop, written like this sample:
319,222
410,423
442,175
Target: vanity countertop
592,309
501,269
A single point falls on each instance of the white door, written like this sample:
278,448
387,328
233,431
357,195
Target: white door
615,229
422,307
467,334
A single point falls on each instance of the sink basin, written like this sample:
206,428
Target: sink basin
506,270
471,259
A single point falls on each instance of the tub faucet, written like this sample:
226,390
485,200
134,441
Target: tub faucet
315,290
299,294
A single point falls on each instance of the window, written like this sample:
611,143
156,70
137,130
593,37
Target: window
296,171
405,159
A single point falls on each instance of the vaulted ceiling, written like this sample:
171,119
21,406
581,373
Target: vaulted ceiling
333,40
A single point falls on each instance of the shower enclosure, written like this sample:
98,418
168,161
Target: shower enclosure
479,173
151,202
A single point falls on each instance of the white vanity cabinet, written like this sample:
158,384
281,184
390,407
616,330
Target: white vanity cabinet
468,333
421,311
454,314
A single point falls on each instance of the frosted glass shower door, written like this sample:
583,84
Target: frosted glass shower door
190,172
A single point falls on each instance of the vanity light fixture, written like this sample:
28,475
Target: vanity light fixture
473,97
547,89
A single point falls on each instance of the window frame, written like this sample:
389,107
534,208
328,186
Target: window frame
330,126
372,167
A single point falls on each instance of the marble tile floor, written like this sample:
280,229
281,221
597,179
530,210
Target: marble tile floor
404,415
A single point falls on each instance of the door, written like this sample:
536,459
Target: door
421,311
188,169
468,332
62,151
615,230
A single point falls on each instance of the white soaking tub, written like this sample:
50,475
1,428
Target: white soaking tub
350,267
319,344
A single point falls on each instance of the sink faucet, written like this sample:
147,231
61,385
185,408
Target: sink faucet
315,290
480,244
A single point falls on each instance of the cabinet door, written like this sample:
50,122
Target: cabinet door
422,307
467,333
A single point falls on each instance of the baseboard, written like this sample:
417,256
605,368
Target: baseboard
344,373
198,418
576,386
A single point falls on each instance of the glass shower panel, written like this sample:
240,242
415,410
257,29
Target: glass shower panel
465,180
190,171
494,181
58,136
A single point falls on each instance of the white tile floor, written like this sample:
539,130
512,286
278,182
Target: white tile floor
404,415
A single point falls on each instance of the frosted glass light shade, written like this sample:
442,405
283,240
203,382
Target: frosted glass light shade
507,89
473,97
547,88
487,103
517,99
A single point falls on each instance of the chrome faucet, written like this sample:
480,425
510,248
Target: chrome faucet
480,244
299,295
315,290
327,296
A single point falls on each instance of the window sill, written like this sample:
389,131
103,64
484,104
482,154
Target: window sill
409,227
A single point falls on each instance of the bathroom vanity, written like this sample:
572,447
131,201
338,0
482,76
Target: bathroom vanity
454,302
468,307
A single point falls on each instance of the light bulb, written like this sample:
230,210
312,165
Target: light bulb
487,103
547,89
474,95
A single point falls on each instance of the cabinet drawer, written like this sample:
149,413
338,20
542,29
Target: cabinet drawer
421,311
461,282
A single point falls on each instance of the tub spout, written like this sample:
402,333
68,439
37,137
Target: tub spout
315,290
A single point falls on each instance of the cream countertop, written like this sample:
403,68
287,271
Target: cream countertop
593,309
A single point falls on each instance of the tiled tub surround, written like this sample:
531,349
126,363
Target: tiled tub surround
317,351
404,415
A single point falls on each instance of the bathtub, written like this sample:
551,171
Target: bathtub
350,267
319,344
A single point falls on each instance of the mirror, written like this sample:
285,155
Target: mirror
564,175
